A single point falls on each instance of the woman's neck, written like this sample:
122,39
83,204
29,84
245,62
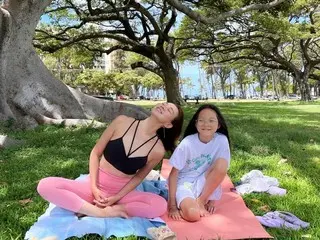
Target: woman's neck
150,125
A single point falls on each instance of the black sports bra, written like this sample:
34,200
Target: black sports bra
115,154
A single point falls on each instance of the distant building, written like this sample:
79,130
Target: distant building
105,62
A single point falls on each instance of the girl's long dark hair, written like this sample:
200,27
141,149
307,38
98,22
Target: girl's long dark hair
169,136
191,128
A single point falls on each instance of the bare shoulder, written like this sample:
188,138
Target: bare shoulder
122,120
158,151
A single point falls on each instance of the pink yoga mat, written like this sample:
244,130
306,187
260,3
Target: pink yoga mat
231,220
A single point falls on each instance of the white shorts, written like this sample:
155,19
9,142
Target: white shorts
193,190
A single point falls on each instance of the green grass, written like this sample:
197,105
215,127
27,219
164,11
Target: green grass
261,133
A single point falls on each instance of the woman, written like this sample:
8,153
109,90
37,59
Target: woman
123,156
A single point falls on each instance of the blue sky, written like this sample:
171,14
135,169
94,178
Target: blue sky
191,70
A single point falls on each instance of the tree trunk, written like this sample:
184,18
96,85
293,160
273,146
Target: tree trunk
223,88
242,90
301,78
31,94
274,85
213,90
303,82
171,82
305,88
261,84
294,84
5,26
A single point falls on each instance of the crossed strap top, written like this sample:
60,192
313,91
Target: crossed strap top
115,153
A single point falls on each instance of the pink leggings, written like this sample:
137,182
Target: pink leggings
71,194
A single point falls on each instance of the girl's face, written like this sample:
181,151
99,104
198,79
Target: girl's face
207,123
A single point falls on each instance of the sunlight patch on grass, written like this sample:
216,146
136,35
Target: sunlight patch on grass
3,191
68,163
306,108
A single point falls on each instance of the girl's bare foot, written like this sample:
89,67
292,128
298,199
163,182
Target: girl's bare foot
210,206
202,209
115,211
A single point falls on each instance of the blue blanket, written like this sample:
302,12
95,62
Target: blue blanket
61,224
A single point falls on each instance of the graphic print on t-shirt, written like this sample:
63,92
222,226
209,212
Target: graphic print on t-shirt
197,162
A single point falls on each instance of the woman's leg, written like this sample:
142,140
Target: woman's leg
144,204
75,196
66,193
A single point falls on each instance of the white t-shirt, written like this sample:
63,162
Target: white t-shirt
192,157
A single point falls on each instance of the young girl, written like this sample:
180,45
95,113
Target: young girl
199,164
123,156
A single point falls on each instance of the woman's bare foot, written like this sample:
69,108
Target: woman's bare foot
115,211
80,215
210,206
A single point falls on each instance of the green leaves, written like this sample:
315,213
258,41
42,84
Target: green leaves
96,82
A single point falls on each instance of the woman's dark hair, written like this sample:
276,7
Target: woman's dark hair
169,136
191,128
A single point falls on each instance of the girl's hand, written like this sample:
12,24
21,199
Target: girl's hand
174,213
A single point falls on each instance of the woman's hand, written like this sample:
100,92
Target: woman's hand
111,200
99,198
174,213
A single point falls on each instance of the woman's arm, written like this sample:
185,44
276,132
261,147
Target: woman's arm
98,149
155,158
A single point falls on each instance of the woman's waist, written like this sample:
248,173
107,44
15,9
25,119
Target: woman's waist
106,168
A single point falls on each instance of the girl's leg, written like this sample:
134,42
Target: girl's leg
189,210
186,196
144,204
73,195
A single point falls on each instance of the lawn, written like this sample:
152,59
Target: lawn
262,133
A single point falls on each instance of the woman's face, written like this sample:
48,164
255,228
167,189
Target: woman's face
207,122
165,112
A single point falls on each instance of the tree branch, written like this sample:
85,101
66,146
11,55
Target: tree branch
171,22
110,34
58,9
200,18
44,3
149,67
140,50
315,76
146,13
